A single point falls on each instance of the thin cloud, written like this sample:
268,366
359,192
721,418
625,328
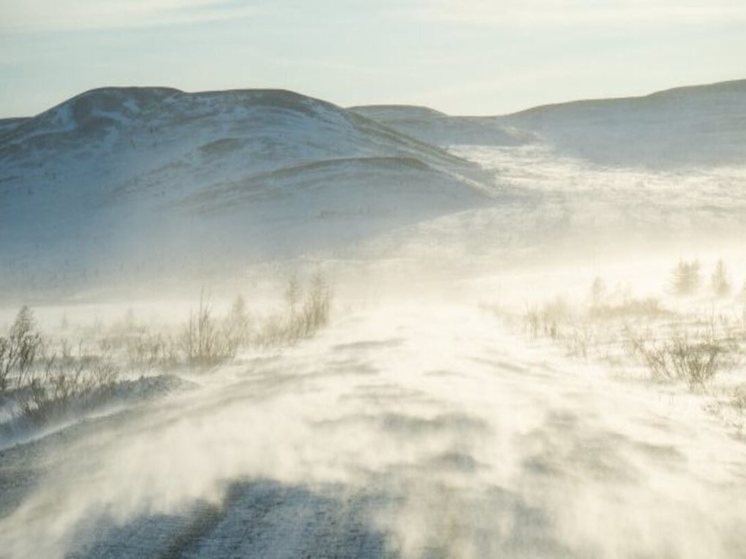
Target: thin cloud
576,12
71,15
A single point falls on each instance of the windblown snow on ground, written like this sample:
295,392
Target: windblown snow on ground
403,431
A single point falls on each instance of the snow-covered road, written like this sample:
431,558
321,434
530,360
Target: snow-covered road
405,430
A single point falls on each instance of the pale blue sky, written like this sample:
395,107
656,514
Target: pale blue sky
460,56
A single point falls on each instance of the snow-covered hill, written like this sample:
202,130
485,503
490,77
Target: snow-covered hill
7,125
142,177
433,126
683,127
123,183
688,126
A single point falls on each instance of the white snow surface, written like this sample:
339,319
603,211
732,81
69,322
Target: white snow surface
409,430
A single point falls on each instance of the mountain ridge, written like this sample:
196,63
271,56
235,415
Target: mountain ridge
684,126
102,181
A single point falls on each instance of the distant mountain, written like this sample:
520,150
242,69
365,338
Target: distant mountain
432,126
119,179
687,126
120,183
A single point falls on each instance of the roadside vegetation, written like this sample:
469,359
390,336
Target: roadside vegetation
44,377
694,335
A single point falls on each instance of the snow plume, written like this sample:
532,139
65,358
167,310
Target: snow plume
429,424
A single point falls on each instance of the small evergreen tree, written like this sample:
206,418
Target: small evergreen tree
719,281
686,280
598,290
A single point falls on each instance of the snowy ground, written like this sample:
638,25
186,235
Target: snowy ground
426,428
408,430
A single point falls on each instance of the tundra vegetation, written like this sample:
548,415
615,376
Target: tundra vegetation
693,336
44,377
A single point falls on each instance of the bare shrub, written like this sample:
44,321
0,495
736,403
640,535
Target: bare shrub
533,321
66,380
6,364
302,318
598,290
739,398
549,319
139,346
273,332
149,351
630,308
203,342
316,307
293,293
237,325
695,361
19,350
578,341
